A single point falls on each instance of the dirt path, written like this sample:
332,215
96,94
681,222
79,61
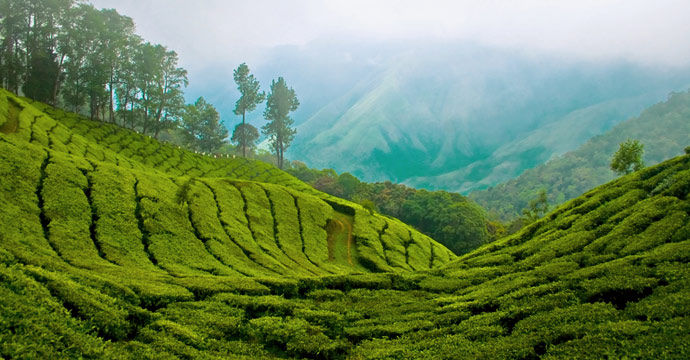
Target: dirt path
337,234
349,242
334,228
12,124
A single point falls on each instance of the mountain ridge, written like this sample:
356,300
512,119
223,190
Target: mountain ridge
663,129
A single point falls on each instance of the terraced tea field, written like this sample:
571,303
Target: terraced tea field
129,200
113,245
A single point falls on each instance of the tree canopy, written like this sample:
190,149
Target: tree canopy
628,158
69,54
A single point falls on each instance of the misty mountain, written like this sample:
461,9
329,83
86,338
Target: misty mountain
449,116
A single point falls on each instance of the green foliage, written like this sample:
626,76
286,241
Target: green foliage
536,208
279,103
449,218
628,158
42,76
368,205
203,129
245,135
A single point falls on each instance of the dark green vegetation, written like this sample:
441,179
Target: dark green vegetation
108,253
664,130
449,218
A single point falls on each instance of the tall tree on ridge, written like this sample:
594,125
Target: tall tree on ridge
628,158
125,85
248,86
281,101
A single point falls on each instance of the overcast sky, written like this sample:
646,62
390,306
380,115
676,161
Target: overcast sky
208,32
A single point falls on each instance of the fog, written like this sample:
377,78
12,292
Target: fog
206,32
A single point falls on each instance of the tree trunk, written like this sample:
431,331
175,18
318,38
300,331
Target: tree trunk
110,100
56,88
244,139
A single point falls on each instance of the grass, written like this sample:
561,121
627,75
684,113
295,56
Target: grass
137,249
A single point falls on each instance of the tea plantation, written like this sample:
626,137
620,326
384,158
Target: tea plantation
114,245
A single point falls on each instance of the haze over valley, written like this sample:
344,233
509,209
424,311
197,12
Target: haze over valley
468,96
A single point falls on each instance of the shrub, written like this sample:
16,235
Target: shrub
368,205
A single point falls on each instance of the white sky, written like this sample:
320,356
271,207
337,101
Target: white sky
206,32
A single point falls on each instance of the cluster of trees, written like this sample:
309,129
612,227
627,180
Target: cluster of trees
71,55
448,218
279,103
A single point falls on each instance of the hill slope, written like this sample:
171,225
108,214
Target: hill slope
663,128
604,275
95,194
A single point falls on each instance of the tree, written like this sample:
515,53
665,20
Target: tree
42,76
250,98
202,127
245,136
30,33
280,102
159,86
126,89
628,158
168,95
115,38
536,208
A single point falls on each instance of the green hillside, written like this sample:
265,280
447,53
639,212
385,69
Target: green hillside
104,256
664,129
131,200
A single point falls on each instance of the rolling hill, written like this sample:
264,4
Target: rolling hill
125,187
116,246
663,128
